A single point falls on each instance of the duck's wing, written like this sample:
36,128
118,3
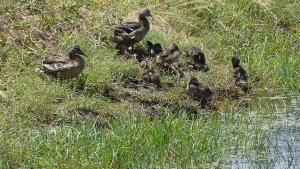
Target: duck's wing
240,73
203,92
244,74
58,60
163,55
128,27
132,25
56,67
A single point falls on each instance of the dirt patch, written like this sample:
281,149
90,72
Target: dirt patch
111,94
136,84
153,106
100,118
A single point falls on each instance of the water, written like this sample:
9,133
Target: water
282,148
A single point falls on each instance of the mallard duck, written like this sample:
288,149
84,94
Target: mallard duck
199,91
153,49
198,57
168,56
66,68
130,33
239,73
150,74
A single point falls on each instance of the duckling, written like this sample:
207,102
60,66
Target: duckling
153,49
239,73
198,58
66,68
199,91
130,33
168,56
150,74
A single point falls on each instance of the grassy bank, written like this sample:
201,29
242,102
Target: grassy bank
47,123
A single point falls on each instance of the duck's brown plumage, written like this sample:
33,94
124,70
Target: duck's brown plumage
239,73
168,56
130,33
66,68
198,90
150,74
198,57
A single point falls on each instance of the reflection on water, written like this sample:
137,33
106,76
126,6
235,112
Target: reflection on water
283,145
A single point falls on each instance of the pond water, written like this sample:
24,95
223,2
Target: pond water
282,147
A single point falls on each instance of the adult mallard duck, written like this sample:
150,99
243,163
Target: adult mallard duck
199,91
199,61
66,68
130,33
150,74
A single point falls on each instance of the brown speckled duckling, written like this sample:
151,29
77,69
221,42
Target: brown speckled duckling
66,68
168,56
239,73
130,33
150,74
199,61
199,91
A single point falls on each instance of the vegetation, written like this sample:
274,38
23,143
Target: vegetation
94,121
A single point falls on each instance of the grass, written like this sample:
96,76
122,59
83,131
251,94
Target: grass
41,123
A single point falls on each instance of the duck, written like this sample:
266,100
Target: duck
65,68
130,33
151,75
168,56
199,91
153,49
198,57
239,74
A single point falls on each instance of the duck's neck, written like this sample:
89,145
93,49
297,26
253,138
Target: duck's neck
235,66
144,21
78,59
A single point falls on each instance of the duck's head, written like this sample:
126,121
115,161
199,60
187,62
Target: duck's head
149,44
188,53
75,51
157,48
194,81
174,47
154,48
235,61
146,13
